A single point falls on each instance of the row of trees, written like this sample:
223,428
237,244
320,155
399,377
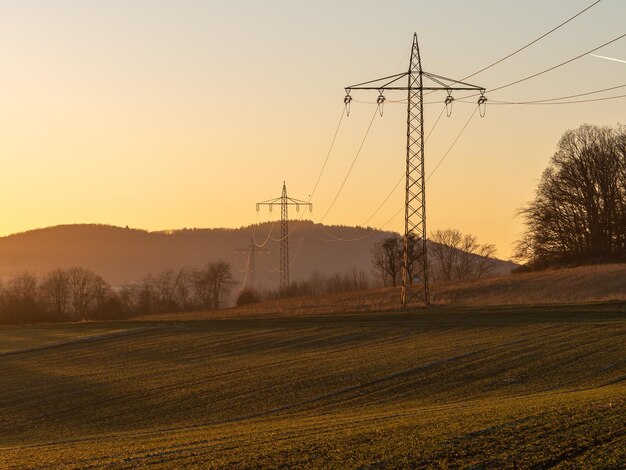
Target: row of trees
578,214
180,290
451,255
319,284
76,294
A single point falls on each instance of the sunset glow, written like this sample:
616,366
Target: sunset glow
166,115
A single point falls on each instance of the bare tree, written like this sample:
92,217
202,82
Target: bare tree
20,300
579,210
444,251
55,291
182,290
455,255
485,261
87,292
212,283
222,280
164,290
202,287
387,259
317,282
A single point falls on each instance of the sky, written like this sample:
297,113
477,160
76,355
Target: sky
162,115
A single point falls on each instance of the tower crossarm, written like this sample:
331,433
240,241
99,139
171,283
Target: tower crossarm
415,81
439,83
284,201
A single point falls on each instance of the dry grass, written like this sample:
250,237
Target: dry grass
583,284
568,285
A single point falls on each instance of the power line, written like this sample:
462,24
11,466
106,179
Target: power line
369,127
555,66
269,235
415,265
592,100
534,41
332,144
453,143
284,202
546,101
380,206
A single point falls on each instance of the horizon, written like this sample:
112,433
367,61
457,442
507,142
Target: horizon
186,137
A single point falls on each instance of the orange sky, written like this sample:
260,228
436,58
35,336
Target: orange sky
160,115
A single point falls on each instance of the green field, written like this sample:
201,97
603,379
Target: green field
446,387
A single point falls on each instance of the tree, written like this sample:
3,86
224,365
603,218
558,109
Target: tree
87,292
55,292
222,280
182,290
387,259
454,255
19,301
248,296
201,287
212,283
444,252
579,210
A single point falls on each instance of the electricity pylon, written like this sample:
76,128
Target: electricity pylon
252,249
284,202
415,262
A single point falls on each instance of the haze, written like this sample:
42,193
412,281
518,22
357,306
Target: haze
163,115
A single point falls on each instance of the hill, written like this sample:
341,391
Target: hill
512,387
122,254
583,284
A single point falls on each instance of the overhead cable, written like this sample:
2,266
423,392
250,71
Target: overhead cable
534,41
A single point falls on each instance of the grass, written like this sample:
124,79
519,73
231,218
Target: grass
488,387
582,284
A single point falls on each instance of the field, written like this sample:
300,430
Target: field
583,284
446,387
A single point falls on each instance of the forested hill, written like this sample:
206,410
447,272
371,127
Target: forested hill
122,254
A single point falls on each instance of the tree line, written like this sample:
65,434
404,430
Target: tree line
452,255
578,214
317,283
76,294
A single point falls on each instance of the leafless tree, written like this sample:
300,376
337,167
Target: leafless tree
387,260
317,282
579,210
202,287
87,292
212,283
55,290
444,251
19,300
222,280
182,290
454,255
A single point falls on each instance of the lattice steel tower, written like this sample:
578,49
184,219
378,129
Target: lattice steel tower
415,262
284,201
252,250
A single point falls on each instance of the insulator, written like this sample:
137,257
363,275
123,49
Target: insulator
380,101
346,101
482,105
449,101
270,208
297,207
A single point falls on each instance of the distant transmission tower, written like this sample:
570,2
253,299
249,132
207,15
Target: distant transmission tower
252,249
415,266
284,202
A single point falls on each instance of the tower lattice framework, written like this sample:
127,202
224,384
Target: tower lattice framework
415,286
252,251
284,201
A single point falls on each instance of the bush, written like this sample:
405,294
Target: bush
248,297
